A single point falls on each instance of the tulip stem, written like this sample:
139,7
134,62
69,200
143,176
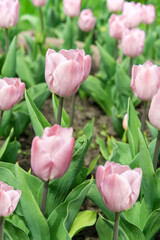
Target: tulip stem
44,197
2,220
6,39
116,223
41,20
156,152
60,110
72,109
144,115
130,67
116,50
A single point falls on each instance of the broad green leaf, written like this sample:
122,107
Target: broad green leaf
9,66
7,176
69,36
153,130
33,216
4,147
12,232
122,81
62,218
103,148
18,222
38,120
84,219
11,152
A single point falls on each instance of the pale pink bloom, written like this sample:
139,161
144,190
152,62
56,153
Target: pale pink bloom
51,154
117,26
125,121
66,70
9,199
115,5
9,13
133,13
132,43
86,21
119,185
39,3
149,14
72,8
11,91
154,113
145,81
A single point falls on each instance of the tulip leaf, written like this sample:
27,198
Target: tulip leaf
38,120
152,225
150,184
12,232
7,176
133,126
11,152
62,218
65,118
9,66
84,219
103,148
4,147
32,214
122,81
153,130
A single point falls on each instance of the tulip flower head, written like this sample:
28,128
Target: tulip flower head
117,26
66,70
154,113
119,185
125,121
145,81
149,14
115,5
86,21
9,10
72,8
51,154
9,199
11,91
133,13
39,3
132,43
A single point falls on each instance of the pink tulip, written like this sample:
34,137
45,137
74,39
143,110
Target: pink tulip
51,154
145,80
132,43
11,91
154,113
117,25
125,121
66,70
119,185
149,14
39,3
9,10
9,199
72,8
133,13
115,5
86,21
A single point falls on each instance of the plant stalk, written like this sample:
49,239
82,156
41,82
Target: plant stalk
156,152
116,50
73,109
116,223
60,110
144,115
2,220
44,197
130,67
41,20
6,39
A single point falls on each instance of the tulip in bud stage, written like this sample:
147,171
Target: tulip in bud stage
149,14
72,7
117,25
86,21
115,5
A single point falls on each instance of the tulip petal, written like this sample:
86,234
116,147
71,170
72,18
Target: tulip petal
87,66
99,177
5,203
14,196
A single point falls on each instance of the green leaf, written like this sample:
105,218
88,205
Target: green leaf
92,165
9,66
84,219
11,232
38,120
10,154
153,130
4,147
122,81
62,218
103,148
7,176
33,216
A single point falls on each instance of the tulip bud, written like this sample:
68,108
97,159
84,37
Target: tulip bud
66,70
154,113
9,199
72,8
132,43
51,154
117,25
119,185
125,121
149,14
133,13
86,21
39,3
9,10
115,6
145,80
11,91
